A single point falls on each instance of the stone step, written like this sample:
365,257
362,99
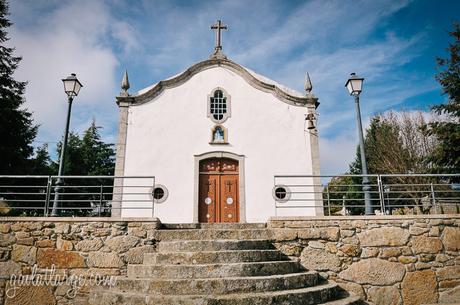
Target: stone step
230,226
310,295
347,300
213,245
211,234
212,257
218,285
213,270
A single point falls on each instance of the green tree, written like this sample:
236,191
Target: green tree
74,163
385,150
16,125
446,156
41,163
99,157
396,143
86,156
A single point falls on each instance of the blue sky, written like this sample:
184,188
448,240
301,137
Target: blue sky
392,44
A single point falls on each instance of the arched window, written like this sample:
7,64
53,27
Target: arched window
219,106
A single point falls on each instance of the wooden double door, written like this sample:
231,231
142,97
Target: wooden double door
219,191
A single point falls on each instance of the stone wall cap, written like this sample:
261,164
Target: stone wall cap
79,219
362,217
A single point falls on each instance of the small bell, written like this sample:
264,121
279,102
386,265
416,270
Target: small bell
311,121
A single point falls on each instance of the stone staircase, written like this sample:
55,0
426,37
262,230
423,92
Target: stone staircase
203,264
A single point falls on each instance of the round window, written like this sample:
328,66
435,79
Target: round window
281,193
159,193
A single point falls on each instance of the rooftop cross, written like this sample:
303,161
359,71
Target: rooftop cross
218,27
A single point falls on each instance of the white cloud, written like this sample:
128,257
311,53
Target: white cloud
69,37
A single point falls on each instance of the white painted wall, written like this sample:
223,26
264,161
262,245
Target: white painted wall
166,133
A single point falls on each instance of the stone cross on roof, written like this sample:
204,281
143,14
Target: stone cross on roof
218,27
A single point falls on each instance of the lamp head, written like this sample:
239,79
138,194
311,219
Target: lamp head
354,84
72,85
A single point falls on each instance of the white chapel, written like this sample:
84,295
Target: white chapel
214,137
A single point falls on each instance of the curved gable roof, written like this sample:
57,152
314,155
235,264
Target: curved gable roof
257,81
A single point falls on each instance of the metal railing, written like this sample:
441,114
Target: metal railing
336,195
78,195
390,193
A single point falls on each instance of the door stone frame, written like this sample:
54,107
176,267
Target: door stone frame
220,154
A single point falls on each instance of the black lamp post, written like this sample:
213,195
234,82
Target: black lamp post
71,87
355,86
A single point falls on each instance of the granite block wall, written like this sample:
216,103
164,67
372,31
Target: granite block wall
408,260
87,251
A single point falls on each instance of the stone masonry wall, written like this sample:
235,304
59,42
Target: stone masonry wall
387,260
408,260
80,247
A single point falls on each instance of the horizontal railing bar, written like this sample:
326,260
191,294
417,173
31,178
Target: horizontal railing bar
337,199
323,176
305,185
348,198
80,194
23,186
86,186
24,176
354,192
330,186
368,175
103,177
24,208
318,206
5,194
110,208
418,184
418,198
419,175
22,200
98,186
313,192
97,200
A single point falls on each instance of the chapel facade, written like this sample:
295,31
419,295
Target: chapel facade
214,137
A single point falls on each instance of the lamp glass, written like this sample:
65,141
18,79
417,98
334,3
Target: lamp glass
350,87
357,85
77,87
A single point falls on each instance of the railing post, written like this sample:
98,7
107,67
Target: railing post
274,200
381,194
434,198
47,196
328,200
101,195
153,199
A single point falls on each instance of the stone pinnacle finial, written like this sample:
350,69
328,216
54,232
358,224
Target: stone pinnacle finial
308,85
125,83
